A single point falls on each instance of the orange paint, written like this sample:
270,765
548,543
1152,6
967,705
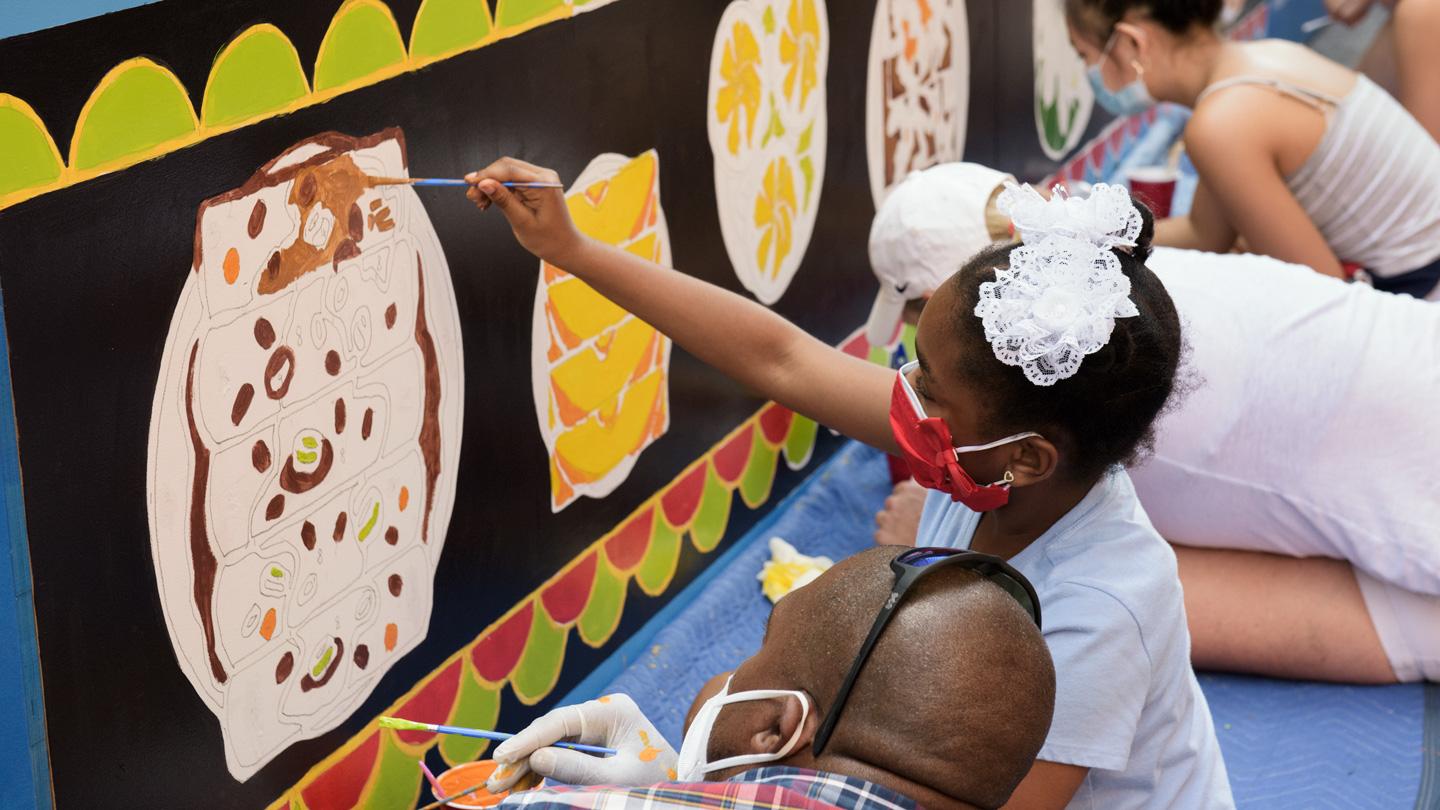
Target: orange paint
267,626
603,699
463,777
670,773
649,752
925,12
596,192
392,636
404,498
232,265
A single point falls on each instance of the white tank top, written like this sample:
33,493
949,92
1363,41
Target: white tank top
1313,429
1372,185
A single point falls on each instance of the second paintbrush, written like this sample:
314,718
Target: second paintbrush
447,181
499,736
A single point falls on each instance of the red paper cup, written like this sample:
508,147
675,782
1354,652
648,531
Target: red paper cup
1154,186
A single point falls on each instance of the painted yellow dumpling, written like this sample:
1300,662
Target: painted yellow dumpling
601,374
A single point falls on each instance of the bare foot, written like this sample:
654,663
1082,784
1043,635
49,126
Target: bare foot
898,522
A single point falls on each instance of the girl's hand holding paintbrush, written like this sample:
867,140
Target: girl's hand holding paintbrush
539,216
643,757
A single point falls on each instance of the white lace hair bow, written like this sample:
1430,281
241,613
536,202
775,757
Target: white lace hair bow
1058,300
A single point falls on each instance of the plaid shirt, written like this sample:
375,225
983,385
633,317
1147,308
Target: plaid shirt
773,788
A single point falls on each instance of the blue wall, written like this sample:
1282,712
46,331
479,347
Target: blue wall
24,763
24,16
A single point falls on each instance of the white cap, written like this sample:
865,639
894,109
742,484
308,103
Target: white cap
928,226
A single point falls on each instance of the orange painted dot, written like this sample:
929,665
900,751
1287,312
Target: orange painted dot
404,498
267,626
670,772
603,699
392,635
232,265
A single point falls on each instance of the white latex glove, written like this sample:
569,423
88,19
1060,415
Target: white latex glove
613,721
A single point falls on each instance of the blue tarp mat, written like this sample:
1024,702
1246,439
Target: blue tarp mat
1286,744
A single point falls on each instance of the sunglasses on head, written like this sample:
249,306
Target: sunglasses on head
909,567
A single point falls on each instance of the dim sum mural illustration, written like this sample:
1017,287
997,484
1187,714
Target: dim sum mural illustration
766,117
304,442
601,374
917,94
271,432
1063,98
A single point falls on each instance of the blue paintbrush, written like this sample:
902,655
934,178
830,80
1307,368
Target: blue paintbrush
499,736
446,181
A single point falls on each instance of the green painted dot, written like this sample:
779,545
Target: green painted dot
369,524
319,668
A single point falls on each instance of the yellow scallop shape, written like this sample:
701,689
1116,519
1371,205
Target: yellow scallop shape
363,42
257,74
31,158
138,110
444,27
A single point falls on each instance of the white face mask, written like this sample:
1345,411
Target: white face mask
694,749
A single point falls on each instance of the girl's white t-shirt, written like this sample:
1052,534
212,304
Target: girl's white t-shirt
1127,705
1311,427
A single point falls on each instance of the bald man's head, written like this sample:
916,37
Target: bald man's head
950,708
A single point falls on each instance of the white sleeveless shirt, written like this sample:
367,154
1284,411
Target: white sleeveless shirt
1372,185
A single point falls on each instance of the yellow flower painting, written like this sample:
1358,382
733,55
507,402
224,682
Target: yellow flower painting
740,92
775,216
768,65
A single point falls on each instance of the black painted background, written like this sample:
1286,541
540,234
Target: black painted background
91,274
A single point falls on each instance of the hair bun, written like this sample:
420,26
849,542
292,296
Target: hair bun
1144,243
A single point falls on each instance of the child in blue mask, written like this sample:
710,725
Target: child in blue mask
1041,369
1304,159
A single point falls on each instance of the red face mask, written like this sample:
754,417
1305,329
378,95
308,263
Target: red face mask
934,460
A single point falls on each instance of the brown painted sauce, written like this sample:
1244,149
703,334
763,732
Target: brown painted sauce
202,557
335,184
430,425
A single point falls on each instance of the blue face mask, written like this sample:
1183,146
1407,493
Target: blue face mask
1132,99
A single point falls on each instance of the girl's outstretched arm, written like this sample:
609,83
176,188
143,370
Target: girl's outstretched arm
739,337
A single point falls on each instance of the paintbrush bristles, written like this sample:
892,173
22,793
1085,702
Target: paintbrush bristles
405,725
391,181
